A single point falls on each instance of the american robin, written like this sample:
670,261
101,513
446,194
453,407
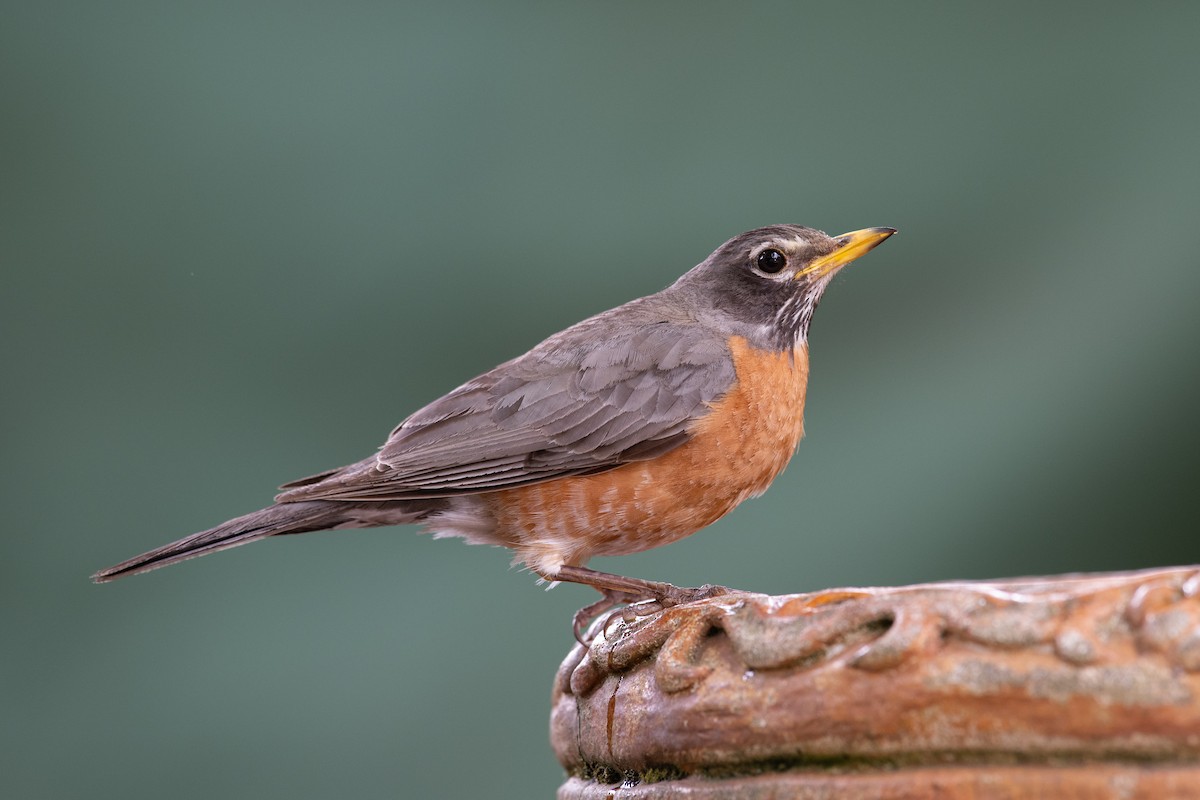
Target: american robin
626,431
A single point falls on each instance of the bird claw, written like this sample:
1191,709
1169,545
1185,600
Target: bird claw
678,595
636,607
584,616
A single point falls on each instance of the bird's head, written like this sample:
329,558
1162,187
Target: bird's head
772,278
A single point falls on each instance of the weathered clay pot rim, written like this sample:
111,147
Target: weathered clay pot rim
1070,669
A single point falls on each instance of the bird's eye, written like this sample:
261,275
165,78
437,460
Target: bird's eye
771,261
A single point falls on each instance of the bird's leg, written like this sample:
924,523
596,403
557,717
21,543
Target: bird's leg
608,582
618,589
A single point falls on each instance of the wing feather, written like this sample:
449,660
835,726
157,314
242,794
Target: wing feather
620,387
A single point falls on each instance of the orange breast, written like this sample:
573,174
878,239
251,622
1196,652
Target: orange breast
736,450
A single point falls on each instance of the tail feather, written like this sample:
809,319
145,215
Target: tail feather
313,515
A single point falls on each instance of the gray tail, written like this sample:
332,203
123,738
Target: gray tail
312,515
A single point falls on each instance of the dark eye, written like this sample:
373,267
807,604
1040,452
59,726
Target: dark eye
771,261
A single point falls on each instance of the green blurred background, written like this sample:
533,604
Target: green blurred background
241,240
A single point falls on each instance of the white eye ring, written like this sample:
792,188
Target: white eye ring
770,261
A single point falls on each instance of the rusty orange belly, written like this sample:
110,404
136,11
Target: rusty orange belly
735,451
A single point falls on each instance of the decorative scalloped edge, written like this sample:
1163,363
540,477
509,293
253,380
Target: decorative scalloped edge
1085,620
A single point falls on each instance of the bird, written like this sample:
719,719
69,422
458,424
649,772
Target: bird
627,431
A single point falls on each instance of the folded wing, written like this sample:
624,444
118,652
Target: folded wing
589,399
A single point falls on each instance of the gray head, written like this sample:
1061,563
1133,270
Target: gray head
772,278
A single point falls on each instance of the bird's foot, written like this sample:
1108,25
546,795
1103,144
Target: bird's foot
637,606
678,595
641,598
584,616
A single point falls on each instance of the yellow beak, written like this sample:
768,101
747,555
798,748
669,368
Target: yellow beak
850,246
